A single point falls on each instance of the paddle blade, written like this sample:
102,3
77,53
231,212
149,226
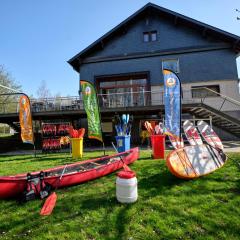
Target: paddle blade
49,205
81,132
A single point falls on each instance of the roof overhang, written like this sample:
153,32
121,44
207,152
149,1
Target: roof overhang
150,8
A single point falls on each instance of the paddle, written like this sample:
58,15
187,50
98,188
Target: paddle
81,132
119,119
52,199
124,118
127,118
161,127
116,127
157,129
120,130
129,124
125,166
149,128
126,124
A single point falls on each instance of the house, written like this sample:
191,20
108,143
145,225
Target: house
125,65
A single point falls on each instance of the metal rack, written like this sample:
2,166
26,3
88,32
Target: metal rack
54,139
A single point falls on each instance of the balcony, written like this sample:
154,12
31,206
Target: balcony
113,102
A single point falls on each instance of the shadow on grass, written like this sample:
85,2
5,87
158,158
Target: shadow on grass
109,203
144,158
11,159
64,159
154,180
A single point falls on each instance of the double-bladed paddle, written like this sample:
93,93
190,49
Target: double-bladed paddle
50,202
125,166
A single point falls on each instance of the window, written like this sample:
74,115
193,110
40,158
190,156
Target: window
145,37
150,36
205,91
154,36
171,64
125,90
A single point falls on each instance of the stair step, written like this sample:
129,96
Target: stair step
218,118
199,110
193,109
205,115
234,127
225,123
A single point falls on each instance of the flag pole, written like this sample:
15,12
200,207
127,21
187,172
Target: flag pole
34,146
100,119
180,100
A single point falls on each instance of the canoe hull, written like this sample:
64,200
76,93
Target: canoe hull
12,186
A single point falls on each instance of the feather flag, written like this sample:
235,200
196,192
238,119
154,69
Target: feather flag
92,109
172,101
25,118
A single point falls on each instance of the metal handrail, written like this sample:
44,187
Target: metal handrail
115,100
220,95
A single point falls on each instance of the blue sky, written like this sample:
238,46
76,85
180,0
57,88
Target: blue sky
38,37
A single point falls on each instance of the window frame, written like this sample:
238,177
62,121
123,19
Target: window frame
213,95
133,76
172,59
149,35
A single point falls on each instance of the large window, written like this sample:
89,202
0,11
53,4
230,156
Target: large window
150,36
205,91
123,91
171,64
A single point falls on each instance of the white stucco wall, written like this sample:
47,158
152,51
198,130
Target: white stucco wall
228,88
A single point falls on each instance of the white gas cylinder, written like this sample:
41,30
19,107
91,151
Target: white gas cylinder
126,187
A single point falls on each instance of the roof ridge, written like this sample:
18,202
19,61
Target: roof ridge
74,60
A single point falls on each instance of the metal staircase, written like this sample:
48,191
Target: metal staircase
219,112
223,110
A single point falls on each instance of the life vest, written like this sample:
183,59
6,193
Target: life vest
36,187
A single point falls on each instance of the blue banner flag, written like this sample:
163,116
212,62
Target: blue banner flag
172,101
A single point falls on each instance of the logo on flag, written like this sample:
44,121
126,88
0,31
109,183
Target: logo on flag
25,119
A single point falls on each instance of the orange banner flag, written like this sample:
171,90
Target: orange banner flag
25,118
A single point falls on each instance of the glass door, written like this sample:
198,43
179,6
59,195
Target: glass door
124,91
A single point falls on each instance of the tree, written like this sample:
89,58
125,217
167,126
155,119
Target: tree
43,91
7,81
8,103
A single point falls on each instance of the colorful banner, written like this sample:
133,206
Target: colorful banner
25,118
172,98
91,107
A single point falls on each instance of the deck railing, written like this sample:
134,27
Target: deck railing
121,100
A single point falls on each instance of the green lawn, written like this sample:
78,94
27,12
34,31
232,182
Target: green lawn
167,207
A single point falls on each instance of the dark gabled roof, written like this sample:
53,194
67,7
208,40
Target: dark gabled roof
76,61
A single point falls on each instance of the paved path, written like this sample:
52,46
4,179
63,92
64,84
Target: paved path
229,146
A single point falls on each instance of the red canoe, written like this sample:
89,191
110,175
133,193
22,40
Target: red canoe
76,173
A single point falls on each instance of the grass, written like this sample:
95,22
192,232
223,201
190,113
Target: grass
167,207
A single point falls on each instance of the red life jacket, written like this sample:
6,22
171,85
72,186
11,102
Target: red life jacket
36,187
